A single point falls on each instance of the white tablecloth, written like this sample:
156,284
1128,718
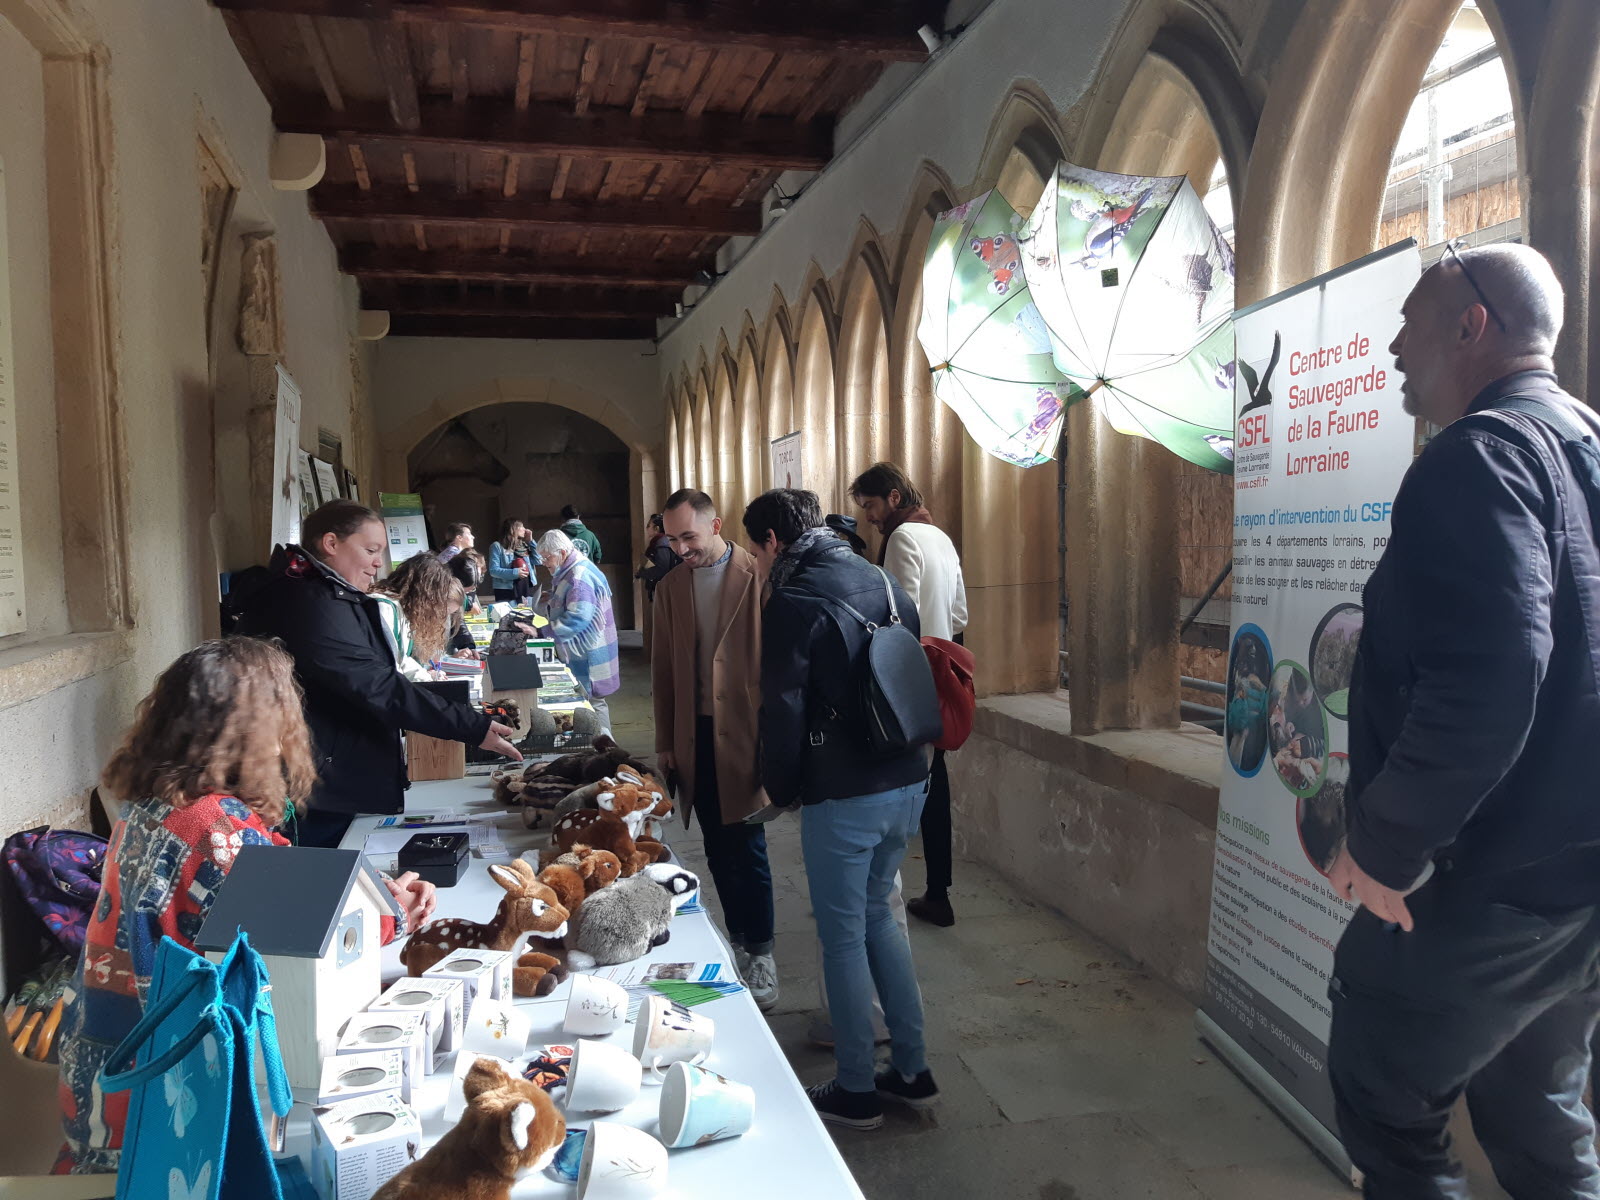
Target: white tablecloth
787,1153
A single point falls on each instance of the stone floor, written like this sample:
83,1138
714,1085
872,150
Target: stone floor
1067,1072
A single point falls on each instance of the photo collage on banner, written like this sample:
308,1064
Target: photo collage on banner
1322,442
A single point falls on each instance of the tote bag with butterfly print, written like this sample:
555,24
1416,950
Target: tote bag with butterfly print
194,1121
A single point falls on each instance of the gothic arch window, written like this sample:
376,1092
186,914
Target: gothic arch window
814,400
777,390
724,469
864,427
750,435
1454,172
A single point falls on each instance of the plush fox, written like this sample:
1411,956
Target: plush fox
510,1127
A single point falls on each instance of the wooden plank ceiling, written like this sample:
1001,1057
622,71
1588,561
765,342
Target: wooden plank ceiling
557,168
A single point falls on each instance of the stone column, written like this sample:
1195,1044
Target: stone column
1122,578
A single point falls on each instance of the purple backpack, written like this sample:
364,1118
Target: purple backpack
58,873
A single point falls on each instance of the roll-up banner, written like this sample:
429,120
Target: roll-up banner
1321,444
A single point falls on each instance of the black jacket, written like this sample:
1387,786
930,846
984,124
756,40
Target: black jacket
1475,713
356,701
807,649
660,558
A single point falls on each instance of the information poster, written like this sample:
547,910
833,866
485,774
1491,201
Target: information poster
786,462
308,484
286,474
402,518
13,603
327,480
1321,445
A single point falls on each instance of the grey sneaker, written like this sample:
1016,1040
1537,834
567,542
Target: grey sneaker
760,975
741,961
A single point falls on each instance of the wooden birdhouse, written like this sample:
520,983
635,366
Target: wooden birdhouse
314,916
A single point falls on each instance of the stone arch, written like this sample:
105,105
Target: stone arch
1024,141
724,485
863,402
1343,86
674,441
688,460
927,433
750,424
704,462
777,383
814,404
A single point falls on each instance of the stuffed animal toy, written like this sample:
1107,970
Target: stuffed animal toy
607,831
683,886
620,923
587,766
510,1127
588,795
578,872
527,907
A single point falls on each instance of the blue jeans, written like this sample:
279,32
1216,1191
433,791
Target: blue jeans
852,850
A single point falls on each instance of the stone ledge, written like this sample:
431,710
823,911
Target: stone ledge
34,669
1178,767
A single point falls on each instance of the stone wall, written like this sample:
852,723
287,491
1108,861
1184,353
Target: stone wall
1116,831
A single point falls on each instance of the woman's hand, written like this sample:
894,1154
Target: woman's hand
498,742
416,897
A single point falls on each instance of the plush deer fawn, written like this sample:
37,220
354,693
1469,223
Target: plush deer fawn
528,907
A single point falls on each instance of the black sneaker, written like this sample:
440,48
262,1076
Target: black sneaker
935,910
858,1110
919,1093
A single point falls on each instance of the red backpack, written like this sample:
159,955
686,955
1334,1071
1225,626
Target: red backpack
953,668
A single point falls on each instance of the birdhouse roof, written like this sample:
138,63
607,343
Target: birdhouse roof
289,899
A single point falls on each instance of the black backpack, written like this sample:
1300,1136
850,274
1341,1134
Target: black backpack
1577,443
894,685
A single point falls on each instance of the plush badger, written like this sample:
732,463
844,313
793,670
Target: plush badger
509,1127
620,923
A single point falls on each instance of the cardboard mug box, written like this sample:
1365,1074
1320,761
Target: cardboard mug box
358,1145
392,1029
485,972
444,1000
347,1076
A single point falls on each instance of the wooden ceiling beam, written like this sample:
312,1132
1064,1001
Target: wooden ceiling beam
592,308
442,206
372,262
553,129
867,31
537,328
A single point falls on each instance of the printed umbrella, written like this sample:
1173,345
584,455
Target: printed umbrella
990,348
1136,286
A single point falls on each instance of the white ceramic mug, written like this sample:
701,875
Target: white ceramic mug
621,1163
667,1032
700,1106
495,1027
603,1078
455,1100
595,1007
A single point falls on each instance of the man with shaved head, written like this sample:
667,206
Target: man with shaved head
1473,809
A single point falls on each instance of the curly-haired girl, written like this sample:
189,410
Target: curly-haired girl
415,604
218,758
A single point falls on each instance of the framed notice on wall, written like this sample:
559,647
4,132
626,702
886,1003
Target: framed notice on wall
286,474
308,483
786,471
327,481
402,519
13,605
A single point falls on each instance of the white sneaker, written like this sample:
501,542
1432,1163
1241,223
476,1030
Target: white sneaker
761,977
741,961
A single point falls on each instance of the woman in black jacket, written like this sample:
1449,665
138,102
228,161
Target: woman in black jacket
316,604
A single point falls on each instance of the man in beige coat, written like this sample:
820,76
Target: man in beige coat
706,680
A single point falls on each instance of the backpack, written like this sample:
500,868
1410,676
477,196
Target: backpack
1577,443
894,684
58,873
953,666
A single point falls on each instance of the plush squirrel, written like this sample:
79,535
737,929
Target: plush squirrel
578,872
607,831
620,923
509,1127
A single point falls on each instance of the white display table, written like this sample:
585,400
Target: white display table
787,1153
